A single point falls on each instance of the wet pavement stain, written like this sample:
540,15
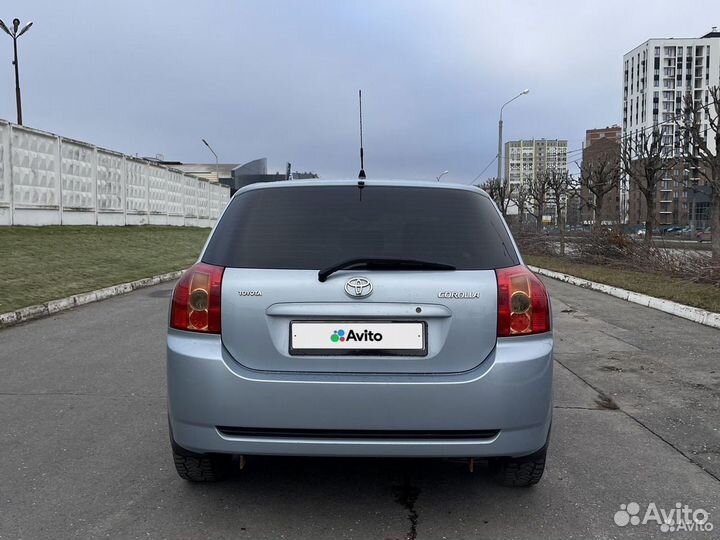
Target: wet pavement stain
407,495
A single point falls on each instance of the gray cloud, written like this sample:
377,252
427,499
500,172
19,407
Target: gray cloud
280,78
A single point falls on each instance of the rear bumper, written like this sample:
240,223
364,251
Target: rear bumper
501,408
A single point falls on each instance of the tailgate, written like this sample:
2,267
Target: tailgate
413,322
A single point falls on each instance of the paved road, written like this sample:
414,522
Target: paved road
85,454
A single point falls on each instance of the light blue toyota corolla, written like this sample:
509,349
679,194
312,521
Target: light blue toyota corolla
360,318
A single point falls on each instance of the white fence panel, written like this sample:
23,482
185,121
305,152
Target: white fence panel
203,190
5,206
136,200
157,184
34,168
78,177
50,180
175,195
110,169
191,196
217,200
4,164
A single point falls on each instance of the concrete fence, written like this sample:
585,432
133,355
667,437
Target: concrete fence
47,179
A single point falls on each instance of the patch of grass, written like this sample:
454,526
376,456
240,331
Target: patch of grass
701,295
46,263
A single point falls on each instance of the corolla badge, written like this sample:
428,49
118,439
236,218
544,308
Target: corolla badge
358,287
471,295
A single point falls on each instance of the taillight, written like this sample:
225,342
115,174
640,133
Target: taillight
523,305
196,299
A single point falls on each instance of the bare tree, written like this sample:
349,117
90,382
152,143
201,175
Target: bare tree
599,175
538,191
698,146
558,185
499,192
573,203
645,159
521,197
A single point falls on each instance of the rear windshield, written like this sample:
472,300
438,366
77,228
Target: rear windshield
313,227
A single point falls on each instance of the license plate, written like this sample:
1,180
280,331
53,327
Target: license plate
358,338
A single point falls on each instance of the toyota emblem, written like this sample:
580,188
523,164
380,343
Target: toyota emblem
358,287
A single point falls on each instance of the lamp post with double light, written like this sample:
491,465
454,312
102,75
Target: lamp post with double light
15,33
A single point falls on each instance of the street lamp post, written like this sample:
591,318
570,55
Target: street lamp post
15,34
217,167
441,175
500,135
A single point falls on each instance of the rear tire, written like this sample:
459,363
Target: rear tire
524,471
200,467
205,468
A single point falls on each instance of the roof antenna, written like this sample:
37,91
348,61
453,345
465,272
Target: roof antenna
361,176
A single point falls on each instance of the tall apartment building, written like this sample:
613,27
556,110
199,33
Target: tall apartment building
656,77
603,144
525,159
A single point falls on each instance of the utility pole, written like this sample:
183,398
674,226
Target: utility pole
15,34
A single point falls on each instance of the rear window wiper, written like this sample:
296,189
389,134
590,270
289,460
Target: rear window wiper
382,264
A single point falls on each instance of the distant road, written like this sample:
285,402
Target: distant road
676,246
662,241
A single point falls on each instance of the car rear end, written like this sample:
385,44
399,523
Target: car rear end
264,357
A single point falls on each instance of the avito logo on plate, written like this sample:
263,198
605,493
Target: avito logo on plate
365,335
309,337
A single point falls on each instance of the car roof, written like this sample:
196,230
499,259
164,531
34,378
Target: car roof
355,182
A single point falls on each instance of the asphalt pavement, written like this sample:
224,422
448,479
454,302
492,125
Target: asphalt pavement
85,451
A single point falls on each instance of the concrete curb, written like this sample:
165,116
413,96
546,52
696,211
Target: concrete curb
707,318
38,311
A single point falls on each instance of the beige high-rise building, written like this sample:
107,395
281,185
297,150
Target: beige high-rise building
526,158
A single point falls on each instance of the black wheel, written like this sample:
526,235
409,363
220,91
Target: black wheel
200,467
524,471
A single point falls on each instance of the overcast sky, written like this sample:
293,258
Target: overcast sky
280,78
